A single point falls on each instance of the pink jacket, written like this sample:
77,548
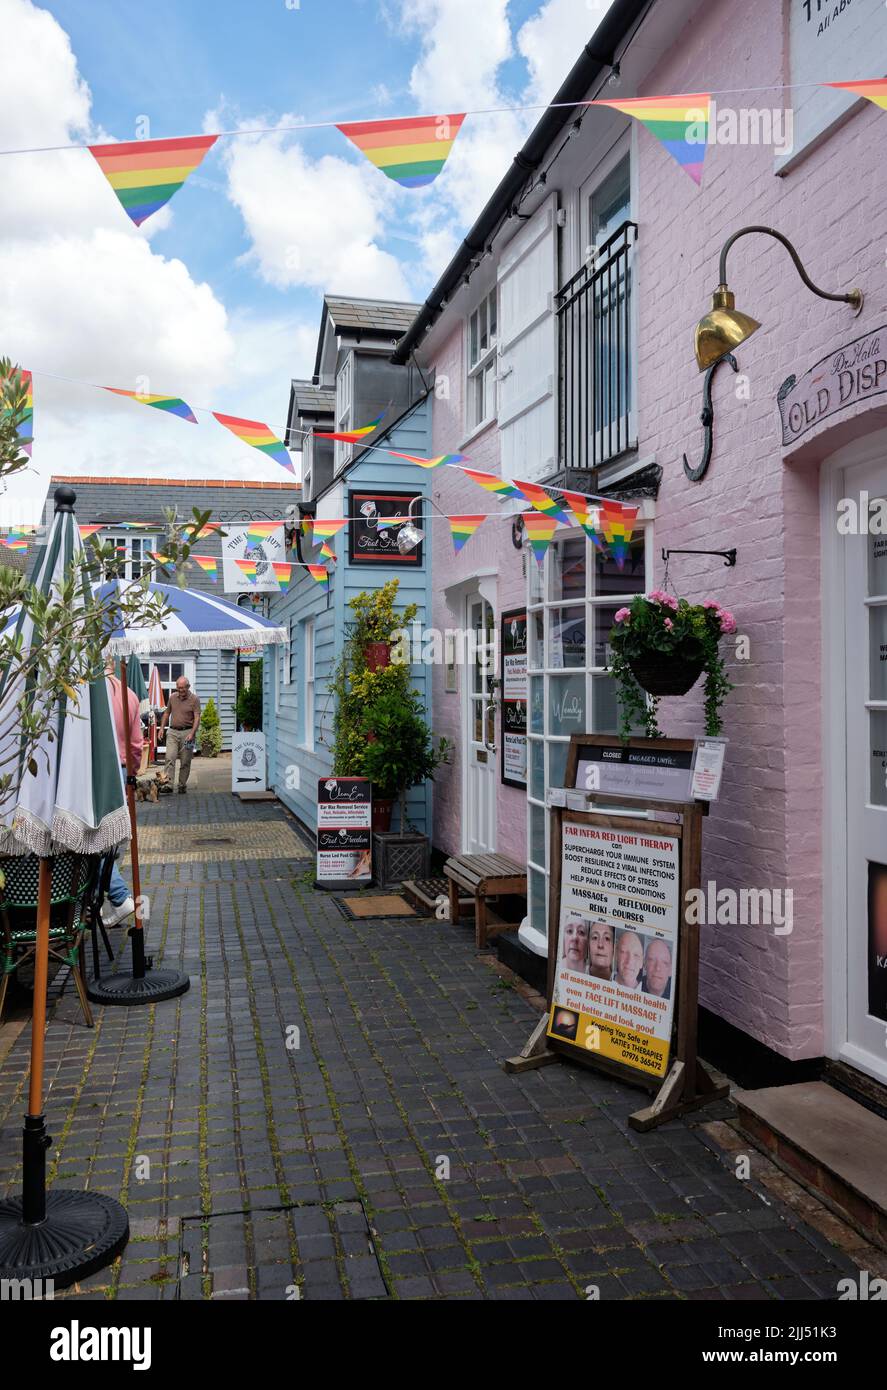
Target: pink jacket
136,739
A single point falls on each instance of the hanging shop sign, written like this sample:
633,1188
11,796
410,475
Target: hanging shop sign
238,545
614,939
513,675
372,532
852,374
344,833
248,766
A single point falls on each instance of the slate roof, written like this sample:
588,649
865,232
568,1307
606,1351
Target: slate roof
372,315
313,400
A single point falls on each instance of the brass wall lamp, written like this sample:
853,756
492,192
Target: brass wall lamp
725,327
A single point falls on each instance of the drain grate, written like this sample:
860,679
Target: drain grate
214,840
309,1251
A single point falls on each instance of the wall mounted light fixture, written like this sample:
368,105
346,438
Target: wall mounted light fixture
725,326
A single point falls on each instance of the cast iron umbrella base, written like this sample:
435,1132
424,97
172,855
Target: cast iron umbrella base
61,1235
149,988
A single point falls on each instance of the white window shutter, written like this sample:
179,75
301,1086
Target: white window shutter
527,410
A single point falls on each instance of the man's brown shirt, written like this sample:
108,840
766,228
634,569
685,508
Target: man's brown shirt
184,713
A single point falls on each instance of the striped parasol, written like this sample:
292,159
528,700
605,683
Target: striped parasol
155,690
76,799
197,621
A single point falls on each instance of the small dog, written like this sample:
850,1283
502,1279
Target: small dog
150,788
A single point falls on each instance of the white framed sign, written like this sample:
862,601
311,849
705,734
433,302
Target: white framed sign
248,767
237,545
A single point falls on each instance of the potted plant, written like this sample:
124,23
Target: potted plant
248,708
661,645
401,754
209,734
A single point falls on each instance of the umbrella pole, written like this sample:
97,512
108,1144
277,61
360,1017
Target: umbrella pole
34,1138
137,934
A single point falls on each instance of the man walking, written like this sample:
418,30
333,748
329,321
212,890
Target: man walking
183,716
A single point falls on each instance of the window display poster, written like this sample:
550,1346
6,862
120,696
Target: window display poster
513,649
615,973
344,830
878,941
372,534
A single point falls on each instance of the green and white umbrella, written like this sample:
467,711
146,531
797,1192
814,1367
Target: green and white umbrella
136,682
75,801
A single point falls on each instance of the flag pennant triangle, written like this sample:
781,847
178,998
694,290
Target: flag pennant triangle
587,516
491,483
462,528
146,173
258,436
247,567
320,573
283,573
540,499
617,521
429,463
323,530
410,150
208,564
173,405
540,530
873,89
351,436
680,123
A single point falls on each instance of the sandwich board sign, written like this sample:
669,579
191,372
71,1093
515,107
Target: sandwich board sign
344,831
248,772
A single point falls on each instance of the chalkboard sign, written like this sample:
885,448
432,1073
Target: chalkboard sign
513,674
372,539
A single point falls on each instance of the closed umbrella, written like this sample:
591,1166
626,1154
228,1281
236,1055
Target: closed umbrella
74,801
136,682
155,690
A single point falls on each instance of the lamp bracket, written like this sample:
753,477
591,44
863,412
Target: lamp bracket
708,418
728,556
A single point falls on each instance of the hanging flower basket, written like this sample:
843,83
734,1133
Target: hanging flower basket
666,673
660,646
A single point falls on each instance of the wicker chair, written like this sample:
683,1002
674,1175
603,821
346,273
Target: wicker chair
73,880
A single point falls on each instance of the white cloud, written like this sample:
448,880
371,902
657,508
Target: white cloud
314,223
551,42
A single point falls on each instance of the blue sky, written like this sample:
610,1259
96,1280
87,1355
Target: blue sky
217,298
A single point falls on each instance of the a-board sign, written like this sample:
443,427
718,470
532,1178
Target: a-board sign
660,769
513,675
614,938
248,772
344,830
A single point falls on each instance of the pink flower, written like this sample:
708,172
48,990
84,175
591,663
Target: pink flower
669,624
622,615
712,603
728,622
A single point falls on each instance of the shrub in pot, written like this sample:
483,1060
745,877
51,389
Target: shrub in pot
661,645
359,679
403,752
209,734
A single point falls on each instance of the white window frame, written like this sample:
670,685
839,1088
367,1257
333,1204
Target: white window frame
188,665
123,541
540,600
484,366
308,685
287,655
344,406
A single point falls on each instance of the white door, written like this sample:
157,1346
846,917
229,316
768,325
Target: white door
479,732
528,348
865,676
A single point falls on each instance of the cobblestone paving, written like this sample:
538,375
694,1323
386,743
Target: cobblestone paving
324,1115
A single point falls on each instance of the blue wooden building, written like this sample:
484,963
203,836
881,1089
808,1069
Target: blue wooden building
354,382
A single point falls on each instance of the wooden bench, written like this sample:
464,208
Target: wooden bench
483,876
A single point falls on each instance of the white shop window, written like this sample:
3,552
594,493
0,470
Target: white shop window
571,605
482,363
133,553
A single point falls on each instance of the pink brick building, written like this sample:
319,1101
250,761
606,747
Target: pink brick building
804,801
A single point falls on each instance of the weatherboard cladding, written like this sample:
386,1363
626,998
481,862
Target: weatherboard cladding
288,758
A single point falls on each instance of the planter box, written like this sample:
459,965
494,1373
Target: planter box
396,857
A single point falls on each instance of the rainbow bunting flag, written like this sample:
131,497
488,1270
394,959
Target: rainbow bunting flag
258,436
352,436
429,463
326,550
14,541
491,483
173,405
873,89
208,564
87,531
410,150
540,530
156,556
679,122
146,173
26,425
618,526
320,573
542,501
587,516
283,573
462,528
247,567
323,530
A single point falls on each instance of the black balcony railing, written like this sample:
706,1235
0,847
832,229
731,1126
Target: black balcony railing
595,336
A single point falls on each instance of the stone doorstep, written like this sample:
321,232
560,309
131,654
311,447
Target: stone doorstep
833,1146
